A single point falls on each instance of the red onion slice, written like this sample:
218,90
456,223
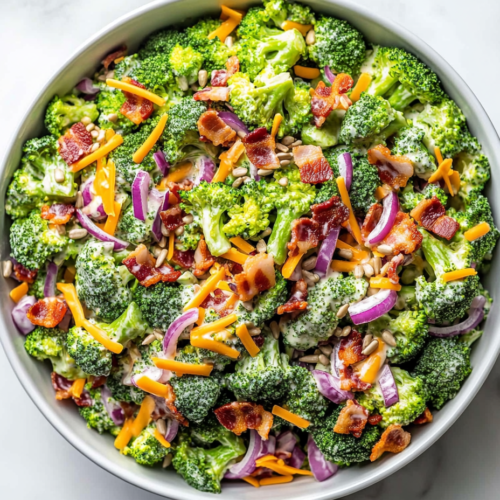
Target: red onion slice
156,227
254,172
161,162
326,252
247,465
371,308
98,233
204,170
86,86
329,74
24,325
140,188
297,458
329,387
93,206
268,447
233,121
345,168
285,443
114,410
172,429
320,466
476,315
391,207
64,324
175,329
388,387
49,289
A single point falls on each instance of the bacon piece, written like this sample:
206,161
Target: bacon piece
58,213
170,402
75,143
62,386
212,94
230,266
260,148
120,52
375,419
172,218
425,418
325,99
175,187
349,381
47,312
184,259
393,440
203,259
314,168
371,220
430,214
136,108
392,273
97,381
216,301
22,273
130,408
304,236
392,169
214,128
350,349
240,416
329,214
352,419
141,264
221,76
258,275
404,236
298,299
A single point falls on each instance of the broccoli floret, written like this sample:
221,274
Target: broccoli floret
189,238
185,64
152,300
126,168
446,302
161,42
119,378
91,356
409,329
326,191
145,449
99,282
297,107
370,120
443,366
96,415
34,183
320,318
327,135
475,172
210,431
407,299
109,101
409,199
281,10
62,112
257,24
411,404
37,287
338,45
208,202
260,378
129,326
409,143
197,356
32,243
291,202
344,449
445,127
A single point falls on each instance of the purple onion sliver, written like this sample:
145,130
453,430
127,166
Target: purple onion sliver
175,329
247,464
384,225
64,324
329,74
140,188
320,466
98,233
388,387
86,86
371,308
346,168
329,387
24,325
285,442
326,252
49,289
85,189
172,429
268,447
233,121
297,273
161,162
297,458
113,409
254,172
156,228
204,170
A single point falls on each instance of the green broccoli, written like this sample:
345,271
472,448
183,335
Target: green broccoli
443,366
34,184
96,415
120,375
319,320
145,449
475,172
297,108
129,326
407,299
189,238
327,135
409,199
185,64
32,243
281,10
256,24
62,112
99,282
109,101
91,356
344,449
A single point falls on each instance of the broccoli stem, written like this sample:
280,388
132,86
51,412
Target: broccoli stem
401,98
212,225
276,246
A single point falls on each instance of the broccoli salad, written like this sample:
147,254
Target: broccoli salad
252,250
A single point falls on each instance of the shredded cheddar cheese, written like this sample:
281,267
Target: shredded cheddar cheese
77,387
438,155
125,435
227,161
347,202
361,85
477,231
343,266
290,265
151,386
246,340
235,256
144,416
357,254
275,480
251,480
104,184
443,169
70,296
102,338
112,220
161,439
379,282
243,245
290,25
276,124
141,153
290,417
209,286
216,326
285,470
171,242
307,73
201,316
183,368
233,18
224,285
179,173
104,150
19,292
382,191
213,345
132,89
458,275
69,274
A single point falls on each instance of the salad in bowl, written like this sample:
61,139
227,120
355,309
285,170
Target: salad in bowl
252,250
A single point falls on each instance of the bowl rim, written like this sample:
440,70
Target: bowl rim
476,379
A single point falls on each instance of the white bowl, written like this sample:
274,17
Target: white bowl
34,376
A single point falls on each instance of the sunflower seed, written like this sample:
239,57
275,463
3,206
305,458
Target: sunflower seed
77,233
202,77
238,182
165,231
254,331
283,182
161,258
377,264
167,460
285,156
263,172
284,163
240,172
90,127
367,340
358,272
370,348
228,42
275,329
338,332
324,360
187,219
86,120
326,349
311,37
310,263
161,426
287,140
282,148
59,175
346,331
112,117
342,311
95,147
261,246
384,269
385,249
179,230
345,254
312,358
79,200
295,144
368,270
163,242
248,305
150,338
7,268
388,338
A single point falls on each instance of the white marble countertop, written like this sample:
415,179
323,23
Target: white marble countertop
36,36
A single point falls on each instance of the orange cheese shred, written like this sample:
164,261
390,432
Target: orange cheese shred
443,169
151,386
141,153
125,435
276,124
132,89
77,387
201,316
171,241
16,294
183,368
104,150
161,439
286,470
357,254
209,286
251,480
112,220
180,172
275,480
379,282
224,285
290,25
343,266
213,345
235,256
458,275
266,458
243,245
216,326
104,184
454,177
290,265
71,298
69,274
144,416
438,155
228,159
233,18
307,73
347,202
290,417
102,338
361,85
477,231
382,191
246,340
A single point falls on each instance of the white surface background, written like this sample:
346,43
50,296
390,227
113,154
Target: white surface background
36,37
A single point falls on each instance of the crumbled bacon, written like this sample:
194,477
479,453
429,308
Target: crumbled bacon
404,236
325,99
175,187
260,148
221,76
170,402
349,381
75,143
203,259
371,220
350,349
129,409
172,218
352,419
97,381
374,419
184,259
393,440
314,168
22,273
240,416
298,299
117,54
47,312
257,276
425,418
216,301
212,94
329,214
136,108
304,236
58,213
430,214
215,129
63,388
392,169
230,266
392,273
141,264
